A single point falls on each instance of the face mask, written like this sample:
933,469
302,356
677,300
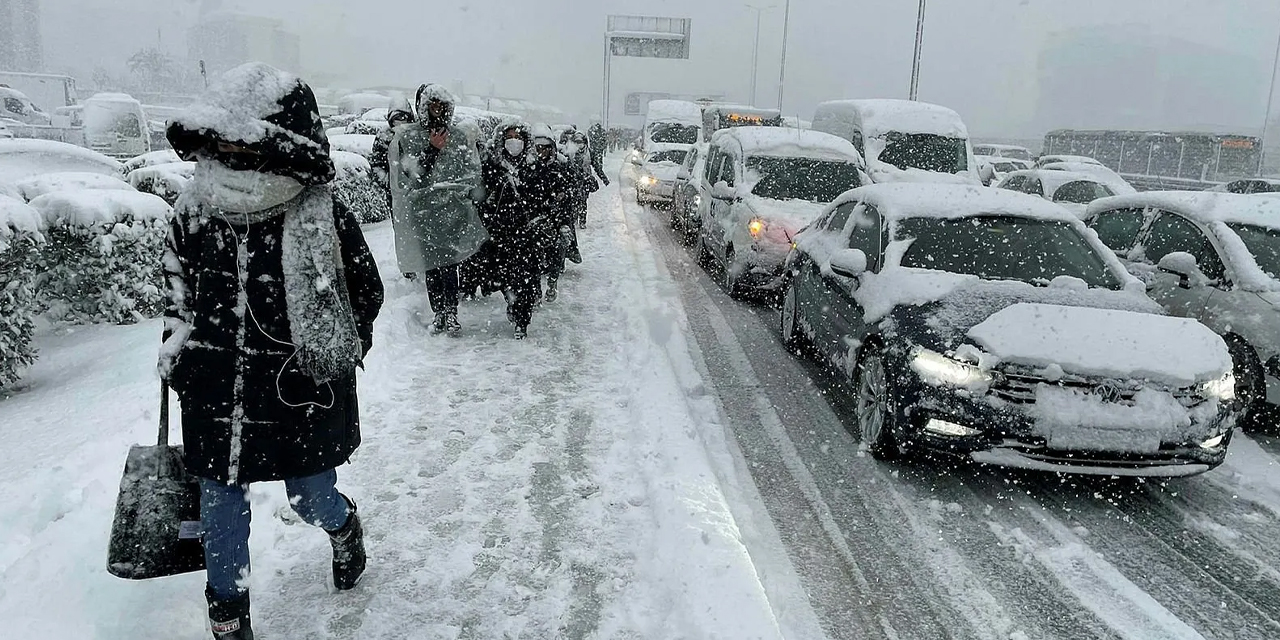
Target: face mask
514,146
572,148
243,191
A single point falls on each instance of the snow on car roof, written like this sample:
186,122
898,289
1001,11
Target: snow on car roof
113,97
788,142
918,200
22,158
1058,157
1052,180
1002,147
674,111
882,116
1203,206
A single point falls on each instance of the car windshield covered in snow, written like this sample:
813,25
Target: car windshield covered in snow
1081,192
925,151
1004,248
671,155
1264,244
674,133
802,178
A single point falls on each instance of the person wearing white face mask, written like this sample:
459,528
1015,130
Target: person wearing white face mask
272,297
516,213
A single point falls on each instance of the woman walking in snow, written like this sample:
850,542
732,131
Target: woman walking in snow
550,201
435,181
272,297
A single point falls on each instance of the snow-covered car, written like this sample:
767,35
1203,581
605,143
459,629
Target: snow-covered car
1246,185
24,158
1055,158
1009,151
1073,191
36,186
15,105
1214,257
656,178
993,169
686,200
116,125
903,140
762,185
1112,179
992,325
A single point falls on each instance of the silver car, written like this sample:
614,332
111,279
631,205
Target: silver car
1214,257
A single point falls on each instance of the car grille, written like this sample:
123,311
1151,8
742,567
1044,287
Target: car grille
1018,386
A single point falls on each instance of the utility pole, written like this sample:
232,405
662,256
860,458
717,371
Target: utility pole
755,52
782,71
915,63
1266,117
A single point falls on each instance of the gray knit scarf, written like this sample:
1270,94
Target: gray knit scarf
321,321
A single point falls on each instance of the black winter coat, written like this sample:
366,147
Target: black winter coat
236,370
524,217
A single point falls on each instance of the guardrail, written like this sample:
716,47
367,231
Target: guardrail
1162,183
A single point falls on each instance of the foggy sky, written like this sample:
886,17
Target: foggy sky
980,56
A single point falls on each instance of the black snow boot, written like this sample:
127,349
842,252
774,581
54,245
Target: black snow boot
348,551
229,619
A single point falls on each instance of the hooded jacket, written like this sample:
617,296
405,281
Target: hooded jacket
379,160
249,413
435,219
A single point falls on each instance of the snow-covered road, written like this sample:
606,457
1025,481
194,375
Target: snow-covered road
566,486
650,464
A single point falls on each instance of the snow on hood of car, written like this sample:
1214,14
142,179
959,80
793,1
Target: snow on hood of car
665,171
86,208
1104,342
34,187
794,214
24,158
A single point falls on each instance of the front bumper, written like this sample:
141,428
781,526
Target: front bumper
661,191
1007,437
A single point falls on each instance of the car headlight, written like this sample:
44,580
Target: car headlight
647,181
936,368
756,227
1223,388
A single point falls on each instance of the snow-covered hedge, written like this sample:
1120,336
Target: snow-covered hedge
356,188
164,180
20,242
101,259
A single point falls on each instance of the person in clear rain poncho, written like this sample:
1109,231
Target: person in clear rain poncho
272,297
435,183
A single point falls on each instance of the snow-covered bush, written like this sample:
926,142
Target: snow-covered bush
167,181
101,259
355,187
20,242
36,186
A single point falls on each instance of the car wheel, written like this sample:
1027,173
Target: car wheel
727,279
792,335
876,407
1251,388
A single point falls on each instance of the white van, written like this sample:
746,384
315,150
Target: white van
672,122
902,140
115,125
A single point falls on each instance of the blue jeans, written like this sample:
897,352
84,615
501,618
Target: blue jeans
224,516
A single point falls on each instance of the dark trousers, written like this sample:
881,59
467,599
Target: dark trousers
442,289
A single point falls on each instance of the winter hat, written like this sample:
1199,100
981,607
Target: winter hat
400,107
263,109
429,93
543,132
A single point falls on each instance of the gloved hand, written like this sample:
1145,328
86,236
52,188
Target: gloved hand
606,181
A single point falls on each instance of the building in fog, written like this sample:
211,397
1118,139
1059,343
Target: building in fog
20,45
1126,77
225,40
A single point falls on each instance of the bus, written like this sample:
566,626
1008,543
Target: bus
723,116
1195,157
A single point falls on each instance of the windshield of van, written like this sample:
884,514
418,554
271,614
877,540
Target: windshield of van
106,118
802,178
1004,248
925,151
674,133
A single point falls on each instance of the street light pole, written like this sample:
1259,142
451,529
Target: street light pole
755,51
1266,117
915,63
782,71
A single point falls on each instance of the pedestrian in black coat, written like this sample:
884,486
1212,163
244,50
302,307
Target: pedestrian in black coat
513,190
272,298
552,201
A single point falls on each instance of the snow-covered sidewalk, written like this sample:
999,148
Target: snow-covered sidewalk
574,485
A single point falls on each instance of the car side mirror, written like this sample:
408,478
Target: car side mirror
722,191
683,174
849,263
1183,265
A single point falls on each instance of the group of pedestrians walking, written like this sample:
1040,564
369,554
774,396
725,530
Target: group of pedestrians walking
273,292
486,216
